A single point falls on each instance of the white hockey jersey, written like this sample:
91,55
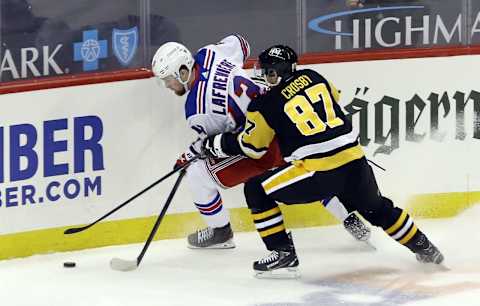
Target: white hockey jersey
218,100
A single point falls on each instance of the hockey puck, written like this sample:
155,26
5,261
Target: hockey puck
69,264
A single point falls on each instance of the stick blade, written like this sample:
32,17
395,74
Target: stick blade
73,230
119,264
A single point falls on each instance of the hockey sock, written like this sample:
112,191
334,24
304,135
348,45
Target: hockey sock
336,208
403,230
270,226
213,212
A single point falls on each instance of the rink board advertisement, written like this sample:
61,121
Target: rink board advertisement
70,155
419,119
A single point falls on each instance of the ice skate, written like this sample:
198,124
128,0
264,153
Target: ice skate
359,230
426,252
281,263
212,238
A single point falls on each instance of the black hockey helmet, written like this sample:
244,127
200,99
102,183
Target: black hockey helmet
279,60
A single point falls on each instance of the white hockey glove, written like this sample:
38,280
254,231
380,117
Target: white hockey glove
212,147
193,150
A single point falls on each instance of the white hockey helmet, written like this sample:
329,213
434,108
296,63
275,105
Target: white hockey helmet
168,60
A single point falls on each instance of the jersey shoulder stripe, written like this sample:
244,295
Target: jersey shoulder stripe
195,103
196,98
205,58
245,46
191,105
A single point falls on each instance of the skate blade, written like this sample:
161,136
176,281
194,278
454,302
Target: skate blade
436,267
442,267
369,245
282,273
431,267
229,244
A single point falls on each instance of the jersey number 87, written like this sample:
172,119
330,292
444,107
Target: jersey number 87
301,112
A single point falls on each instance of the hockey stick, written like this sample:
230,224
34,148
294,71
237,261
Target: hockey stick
74,230
129,265
376,165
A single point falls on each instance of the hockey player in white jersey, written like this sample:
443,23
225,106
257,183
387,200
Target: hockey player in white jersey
218,92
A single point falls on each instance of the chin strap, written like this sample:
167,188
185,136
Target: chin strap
185,84
279,79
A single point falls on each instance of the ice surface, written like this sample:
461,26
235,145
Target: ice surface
336,270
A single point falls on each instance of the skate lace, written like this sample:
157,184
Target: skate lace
270,258
205,234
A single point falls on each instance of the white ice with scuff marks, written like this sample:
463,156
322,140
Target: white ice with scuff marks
336,270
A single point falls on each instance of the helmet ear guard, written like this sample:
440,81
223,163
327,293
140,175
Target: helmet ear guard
169,59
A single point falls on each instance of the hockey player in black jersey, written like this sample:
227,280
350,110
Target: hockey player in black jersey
283,59
324,159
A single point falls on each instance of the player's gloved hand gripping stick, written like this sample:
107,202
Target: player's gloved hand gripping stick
193,151
74,230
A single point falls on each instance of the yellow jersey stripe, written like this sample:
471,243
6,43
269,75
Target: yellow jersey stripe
266,214
272,230
283,177
251,153
332,162
397,224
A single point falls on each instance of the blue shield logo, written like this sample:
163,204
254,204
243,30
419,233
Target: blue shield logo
125,43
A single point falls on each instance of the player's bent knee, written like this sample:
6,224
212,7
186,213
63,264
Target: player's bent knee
380,213
257,199
197,174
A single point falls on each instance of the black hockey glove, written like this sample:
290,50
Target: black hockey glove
212,147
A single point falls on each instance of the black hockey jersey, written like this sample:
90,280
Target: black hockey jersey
303,113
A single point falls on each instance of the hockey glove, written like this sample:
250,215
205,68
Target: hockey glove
212,147
192,151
